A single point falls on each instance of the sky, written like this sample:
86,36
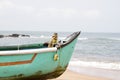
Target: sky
60,15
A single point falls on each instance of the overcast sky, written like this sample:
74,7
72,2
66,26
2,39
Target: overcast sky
60,15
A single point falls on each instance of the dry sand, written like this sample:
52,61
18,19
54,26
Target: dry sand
70,75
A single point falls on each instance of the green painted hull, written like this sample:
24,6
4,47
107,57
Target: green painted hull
35,66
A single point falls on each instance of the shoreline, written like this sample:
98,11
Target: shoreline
71,75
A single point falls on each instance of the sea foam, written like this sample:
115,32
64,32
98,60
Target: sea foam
103,65
84,38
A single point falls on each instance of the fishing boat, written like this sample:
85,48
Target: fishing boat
36,61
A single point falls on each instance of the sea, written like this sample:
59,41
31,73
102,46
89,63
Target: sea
95,54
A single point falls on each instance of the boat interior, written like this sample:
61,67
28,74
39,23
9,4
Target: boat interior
64,42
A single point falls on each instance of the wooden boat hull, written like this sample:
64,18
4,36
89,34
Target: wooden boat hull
37,66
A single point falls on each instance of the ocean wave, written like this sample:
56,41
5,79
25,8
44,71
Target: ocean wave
108,38
103,65
115,39
84,38
40,37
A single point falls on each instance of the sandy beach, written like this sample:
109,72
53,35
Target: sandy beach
70,75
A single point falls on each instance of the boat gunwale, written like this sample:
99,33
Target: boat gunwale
28,51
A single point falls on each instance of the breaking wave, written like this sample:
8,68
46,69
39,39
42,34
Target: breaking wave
103,65
115,39
84,38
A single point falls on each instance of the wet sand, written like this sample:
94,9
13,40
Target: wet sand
70,75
